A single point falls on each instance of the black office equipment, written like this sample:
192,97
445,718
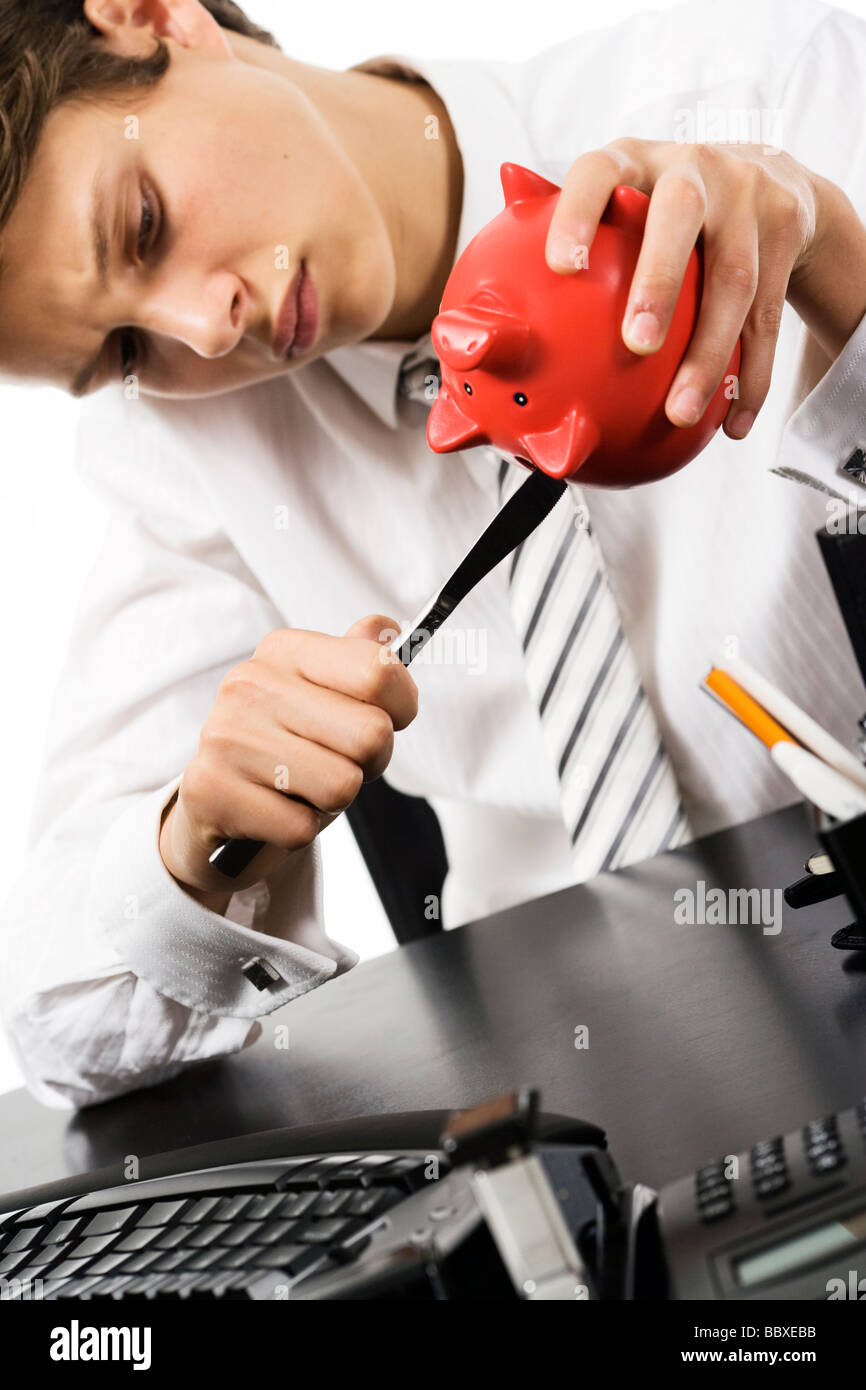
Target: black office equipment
509,1205
844,842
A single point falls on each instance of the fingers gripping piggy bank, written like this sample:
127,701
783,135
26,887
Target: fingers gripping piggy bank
533,362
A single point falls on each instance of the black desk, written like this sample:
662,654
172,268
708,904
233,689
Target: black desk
701,1038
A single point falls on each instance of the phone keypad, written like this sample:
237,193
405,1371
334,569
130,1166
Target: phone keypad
769,1168
823,1146
714,1192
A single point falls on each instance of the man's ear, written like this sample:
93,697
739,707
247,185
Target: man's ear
130,26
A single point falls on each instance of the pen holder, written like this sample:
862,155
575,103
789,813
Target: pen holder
844,842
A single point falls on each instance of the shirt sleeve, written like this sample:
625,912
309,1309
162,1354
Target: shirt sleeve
699,74
113,976
823,443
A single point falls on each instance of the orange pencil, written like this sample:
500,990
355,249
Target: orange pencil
747,710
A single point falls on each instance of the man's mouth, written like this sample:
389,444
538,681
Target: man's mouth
297,322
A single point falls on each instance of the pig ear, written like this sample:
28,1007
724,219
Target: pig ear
448,428
519,184
626,208
464,338
560,452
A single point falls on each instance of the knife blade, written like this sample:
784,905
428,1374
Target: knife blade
517,519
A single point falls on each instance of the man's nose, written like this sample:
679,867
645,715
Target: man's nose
209,318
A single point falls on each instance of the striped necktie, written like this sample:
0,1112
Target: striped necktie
619,796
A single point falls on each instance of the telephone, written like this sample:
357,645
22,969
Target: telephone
533,1219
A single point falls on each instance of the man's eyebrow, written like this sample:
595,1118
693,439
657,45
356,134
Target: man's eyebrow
102,259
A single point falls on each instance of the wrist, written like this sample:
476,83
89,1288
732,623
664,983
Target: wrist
214,901
827,286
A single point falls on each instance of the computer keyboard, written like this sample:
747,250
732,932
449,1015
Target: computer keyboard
248,1230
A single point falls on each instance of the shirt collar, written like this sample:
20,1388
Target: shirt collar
489,131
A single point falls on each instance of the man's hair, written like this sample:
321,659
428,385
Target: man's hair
50,52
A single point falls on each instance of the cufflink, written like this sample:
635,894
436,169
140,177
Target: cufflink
261,973
855,466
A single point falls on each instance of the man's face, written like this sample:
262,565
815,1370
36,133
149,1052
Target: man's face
211,189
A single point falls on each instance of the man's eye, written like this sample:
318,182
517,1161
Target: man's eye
148,219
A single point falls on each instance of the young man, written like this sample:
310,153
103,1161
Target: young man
187,210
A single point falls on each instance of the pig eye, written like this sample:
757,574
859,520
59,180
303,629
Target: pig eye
467,388
519,398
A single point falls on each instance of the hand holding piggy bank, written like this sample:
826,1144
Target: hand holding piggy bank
533,362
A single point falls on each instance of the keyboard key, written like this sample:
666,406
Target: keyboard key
205,1235
237,1259
134,1264
170,1261
92,1245
174,1236
69,1267
292,1259
31,1214
271,1232
373,1201
25,1239
51,1287
349,1250
232,1207
46,1253
11,1262
298,1203
112,1220
327,1232
139,1238
353,1175
330,1203
108,1263
312,1176
261,1208
202,1209
204,1259
63,1231
161,1213
240,1233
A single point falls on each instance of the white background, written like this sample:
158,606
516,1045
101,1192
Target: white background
48,513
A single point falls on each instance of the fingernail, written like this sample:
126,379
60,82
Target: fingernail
741,423
688,404
643,330
565,253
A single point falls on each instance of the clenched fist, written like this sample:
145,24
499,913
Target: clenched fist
293,735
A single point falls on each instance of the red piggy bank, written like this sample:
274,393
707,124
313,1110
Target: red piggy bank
533,362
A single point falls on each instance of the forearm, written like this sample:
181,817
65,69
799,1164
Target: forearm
828,290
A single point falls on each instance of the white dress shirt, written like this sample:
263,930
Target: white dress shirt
313,499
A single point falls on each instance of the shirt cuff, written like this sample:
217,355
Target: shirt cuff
196,956
823,443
